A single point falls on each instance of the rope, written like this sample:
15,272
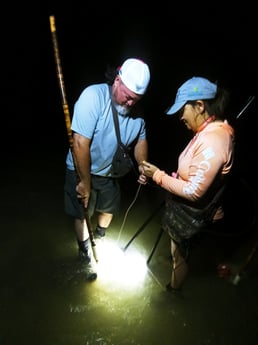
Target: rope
126,213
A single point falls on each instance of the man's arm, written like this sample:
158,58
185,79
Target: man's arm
141,151
82,158
141,154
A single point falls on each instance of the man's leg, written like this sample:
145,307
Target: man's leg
84,247
104,220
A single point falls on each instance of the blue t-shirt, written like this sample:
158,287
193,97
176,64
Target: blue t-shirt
93,119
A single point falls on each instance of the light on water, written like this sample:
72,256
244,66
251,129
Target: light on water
118,267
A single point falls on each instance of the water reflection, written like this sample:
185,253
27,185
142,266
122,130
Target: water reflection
46,300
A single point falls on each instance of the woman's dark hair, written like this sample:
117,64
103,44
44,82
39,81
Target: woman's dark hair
217,106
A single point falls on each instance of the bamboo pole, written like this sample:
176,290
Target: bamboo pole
68,121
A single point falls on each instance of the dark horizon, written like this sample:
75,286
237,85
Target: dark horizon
90,39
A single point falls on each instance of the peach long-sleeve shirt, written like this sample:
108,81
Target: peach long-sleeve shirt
208,154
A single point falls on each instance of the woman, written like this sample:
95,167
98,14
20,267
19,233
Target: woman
203,164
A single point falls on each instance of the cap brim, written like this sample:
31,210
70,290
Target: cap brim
175,108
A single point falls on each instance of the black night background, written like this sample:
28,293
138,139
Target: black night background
44,299
176,44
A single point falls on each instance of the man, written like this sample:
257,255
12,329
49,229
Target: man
89,183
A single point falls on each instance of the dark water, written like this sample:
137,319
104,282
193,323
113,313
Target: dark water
44,296
45,299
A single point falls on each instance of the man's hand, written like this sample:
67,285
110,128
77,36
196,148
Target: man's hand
142,179
83,193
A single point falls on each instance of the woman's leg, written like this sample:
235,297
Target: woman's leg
179,269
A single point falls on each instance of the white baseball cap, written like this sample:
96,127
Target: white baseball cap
135,74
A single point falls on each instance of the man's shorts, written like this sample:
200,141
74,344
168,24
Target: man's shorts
105,195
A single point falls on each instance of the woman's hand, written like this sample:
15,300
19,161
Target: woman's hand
148,168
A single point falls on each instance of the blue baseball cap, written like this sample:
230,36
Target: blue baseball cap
192,90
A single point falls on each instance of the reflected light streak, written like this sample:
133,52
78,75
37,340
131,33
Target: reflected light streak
118,267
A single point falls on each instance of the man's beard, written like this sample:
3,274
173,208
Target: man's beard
121,110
